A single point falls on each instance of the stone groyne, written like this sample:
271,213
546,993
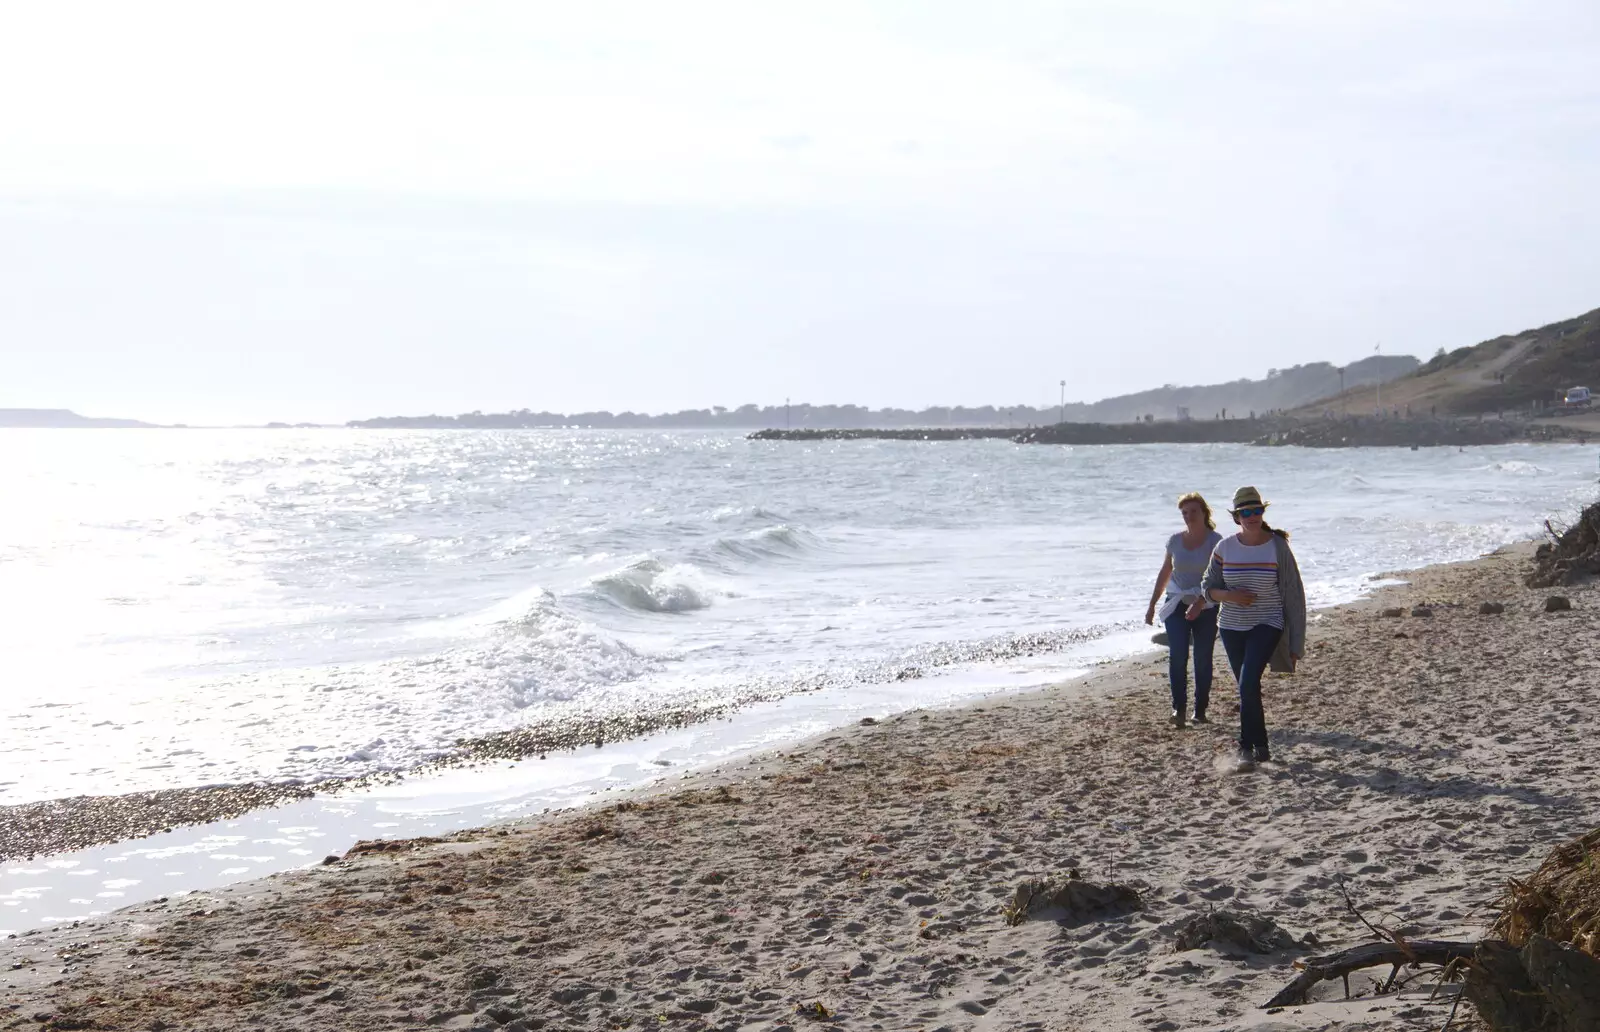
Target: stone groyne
1415,433
1313,433
937,433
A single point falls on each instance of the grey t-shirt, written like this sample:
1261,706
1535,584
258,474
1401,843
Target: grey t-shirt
1189,566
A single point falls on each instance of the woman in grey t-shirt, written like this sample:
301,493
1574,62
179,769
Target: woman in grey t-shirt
1182,570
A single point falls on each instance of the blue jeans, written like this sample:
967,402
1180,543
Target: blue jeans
1201,632
1249,652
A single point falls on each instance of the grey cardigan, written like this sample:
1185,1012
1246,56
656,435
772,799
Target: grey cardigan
1293,641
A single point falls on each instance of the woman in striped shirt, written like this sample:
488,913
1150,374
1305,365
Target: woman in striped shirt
1262,612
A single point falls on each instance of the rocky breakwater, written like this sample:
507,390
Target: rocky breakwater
938,433
1347,432
1409,433
1194,431
1237,431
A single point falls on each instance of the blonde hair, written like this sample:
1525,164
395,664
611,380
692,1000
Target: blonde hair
1195,496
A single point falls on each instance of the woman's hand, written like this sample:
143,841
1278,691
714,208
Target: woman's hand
1196,607
1238,596
1150,614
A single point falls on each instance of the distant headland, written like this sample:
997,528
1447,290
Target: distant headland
60,419
1280,389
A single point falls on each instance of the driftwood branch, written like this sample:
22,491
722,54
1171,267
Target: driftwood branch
1396,954
1350,905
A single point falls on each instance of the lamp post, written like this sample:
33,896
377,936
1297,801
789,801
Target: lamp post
1063,418
1377,372
786,413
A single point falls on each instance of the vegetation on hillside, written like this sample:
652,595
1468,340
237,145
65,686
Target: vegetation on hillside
1555,357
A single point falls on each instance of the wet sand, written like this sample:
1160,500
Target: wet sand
859,880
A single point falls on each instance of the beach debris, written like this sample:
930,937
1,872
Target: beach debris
815,1010
1571,555
1561,900
1242,931
1421,611
366,846
1396,953
1491,608
1557,604
1544,973
1545,986
1392,613
1159,638
1070,900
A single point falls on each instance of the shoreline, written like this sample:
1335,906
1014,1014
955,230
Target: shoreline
40,828
1424,758
253,760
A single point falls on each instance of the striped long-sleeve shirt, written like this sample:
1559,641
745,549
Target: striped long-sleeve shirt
1253,568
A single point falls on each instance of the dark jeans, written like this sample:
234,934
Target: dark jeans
1249,652
1201,633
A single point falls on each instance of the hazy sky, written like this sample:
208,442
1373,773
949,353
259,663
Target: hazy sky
323,211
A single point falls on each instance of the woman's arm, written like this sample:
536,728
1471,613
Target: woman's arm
1213,589
1210,583
1161,585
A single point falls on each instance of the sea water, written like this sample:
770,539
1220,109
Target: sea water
209,606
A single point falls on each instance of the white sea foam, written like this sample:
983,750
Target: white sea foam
1516,467
526,654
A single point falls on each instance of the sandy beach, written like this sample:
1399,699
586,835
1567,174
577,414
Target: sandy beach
862,880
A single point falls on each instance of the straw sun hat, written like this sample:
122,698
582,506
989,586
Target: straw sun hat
1248,496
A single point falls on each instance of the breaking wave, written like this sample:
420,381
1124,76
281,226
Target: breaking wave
777,542
651,586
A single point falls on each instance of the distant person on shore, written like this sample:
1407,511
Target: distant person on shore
1262,613
1188,554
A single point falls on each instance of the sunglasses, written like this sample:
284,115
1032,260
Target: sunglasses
1250,510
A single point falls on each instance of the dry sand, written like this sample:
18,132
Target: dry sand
858,881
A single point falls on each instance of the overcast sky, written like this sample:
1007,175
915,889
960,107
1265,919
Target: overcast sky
221,213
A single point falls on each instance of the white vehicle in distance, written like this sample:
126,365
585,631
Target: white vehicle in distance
1579,397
